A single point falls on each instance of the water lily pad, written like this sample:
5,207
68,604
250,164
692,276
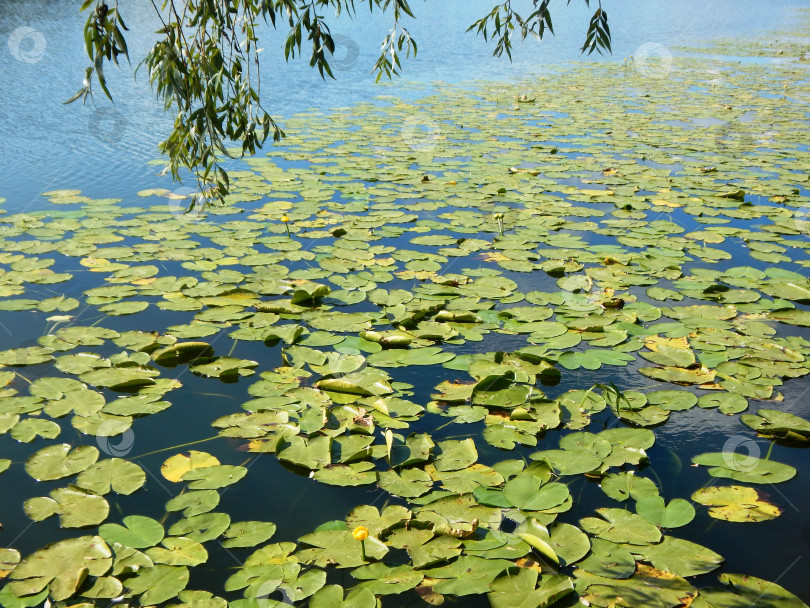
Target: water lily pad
137,532
519,588
331,596
385,580
736,503
248,533
178,465
201,528
158,583
456,454
747,589
178,551
30,428
339,547
624,485
58,461
467,575
61,567
745,468
608,559
676,513
681,557
76,507
213,477
194,502
620,526
779,425
120,378
112,474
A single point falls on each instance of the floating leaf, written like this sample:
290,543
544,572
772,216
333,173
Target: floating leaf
58,461
248,534
178,465
676,513
61,567
112,474
137,532
736,503
158,583
745,468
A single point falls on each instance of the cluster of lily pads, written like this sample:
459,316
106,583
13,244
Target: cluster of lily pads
593,225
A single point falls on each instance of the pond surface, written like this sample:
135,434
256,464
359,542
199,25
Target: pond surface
614,265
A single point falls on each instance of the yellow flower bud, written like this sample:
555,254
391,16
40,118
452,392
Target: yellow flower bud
360,533
285,218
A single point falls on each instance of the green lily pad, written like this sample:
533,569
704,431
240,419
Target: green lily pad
608,559
58,461
61,567
676,513
380,579
201,528
158,583
137,532
745,468
467,575
620,526
736,503
76,507
681,557
112,474
248,533
178,551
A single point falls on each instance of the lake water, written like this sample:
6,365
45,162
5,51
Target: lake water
103,151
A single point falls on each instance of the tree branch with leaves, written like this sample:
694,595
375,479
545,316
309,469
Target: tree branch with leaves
205,66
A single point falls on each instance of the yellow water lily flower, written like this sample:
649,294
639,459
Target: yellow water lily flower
360,533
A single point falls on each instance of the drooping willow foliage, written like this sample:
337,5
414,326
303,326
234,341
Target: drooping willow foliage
206,64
